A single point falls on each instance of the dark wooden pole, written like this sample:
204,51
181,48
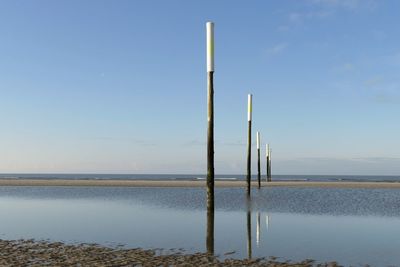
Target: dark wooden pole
249,111
258,160
270,165
268,177
210,114
210,138
210,169
267,163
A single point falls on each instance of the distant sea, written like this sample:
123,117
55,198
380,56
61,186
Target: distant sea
193,177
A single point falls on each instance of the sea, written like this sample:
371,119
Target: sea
193,177
352,226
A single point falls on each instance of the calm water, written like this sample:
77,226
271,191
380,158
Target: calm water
359,178
352,226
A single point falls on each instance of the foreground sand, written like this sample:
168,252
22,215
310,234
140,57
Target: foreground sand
33,253
150,183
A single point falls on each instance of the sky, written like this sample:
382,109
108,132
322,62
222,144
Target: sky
120,86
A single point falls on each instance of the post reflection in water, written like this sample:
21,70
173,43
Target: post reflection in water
249,227
210,227
258,233
258,227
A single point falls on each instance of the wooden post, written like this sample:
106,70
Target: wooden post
267,159
210,114
258,160
249,113
270,165
210,138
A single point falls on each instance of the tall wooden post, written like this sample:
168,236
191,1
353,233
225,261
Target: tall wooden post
249,113
210,138
270,165
258,160
267,160
210,114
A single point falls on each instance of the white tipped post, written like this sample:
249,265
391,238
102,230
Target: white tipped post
249,111
249,106
210,137
258,160
210,46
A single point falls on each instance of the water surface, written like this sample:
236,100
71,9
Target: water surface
351,226
193,177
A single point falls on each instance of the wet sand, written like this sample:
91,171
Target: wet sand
41,253
201,183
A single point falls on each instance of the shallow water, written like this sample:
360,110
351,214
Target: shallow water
351,226
193,177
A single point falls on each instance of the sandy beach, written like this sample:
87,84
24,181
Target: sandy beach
42,253
202,183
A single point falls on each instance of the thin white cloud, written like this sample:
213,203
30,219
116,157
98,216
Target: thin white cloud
386,98
379,34
345,67
276,49
394,59
346,4
297,17
373,81
283,28
321,9
338,3
348,67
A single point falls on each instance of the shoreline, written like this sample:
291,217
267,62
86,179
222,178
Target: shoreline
186,184
39,253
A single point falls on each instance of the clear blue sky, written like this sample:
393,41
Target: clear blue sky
120,86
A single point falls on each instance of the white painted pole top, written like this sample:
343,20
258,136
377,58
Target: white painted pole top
210,46
266,150
258,140
249,106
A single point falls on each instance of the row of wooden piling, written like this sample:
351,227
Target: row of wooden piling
210,148
267,154
210,128
267,159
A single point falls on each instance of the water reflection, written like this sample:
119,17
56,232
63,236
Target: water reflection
258,227
210,228
290,223
258,233
248,202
